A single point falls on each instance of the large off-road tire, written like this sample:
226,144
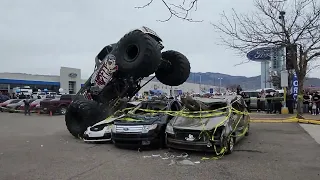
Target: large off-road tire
137,54
80,115
176,73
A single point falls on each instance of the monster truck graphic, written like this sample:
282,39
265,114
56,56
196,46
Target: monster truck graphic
103,75
119,69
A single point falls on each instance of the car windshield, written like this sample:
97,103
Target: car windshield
154,106
140,113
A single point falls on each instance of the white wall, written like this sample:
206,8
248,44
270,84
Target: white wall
65,78
185,87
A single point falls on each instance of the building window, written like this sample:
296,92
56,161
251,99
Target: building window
72,87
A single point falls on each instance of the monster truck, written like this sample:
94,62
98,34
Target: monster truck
119,69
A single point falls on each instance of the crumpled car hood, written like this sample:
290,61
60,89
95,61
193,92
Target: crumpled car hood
197,124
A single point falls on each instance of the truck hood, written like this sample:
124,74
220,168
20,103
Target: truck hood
197,123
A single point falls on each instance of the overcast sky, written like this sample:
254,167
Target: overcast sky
40,36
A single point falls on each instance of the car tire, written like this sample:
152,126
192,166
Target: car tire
137,54
177,72
63,110
230,142
80,115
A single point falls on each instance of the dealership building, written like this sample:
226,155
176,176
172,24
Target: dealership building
70,81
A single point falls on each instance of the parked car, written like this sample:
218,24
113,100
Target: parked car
57,105
34,105
4,105
208,134
15,106
101,131
253,98
149,128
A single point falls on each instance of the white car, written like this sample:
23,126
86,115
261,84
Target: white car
101,131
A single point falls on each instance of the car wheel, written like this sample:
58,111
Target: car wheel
80,115
63,110
229,144
137,54
176,71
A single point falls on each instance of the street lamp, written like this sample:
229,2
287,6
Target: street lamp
220,84
284,109
200,84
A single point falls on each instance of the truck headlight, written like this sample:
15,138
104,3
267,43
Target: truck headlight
169,129
147,128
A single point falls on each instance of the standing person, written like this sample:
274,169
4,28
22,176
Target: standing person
259,102
314,108
239,89
269,103
316,101
277,103
247,100
27,107
306,101
263,100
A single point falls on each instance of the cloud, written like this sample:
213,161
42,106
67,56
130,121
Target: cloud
39,36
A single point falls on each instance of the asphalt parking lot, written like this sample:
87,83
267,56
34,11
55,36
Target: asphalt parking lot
39,147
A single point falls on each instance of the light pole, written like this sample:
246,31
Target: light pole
220,84
284,109
200,84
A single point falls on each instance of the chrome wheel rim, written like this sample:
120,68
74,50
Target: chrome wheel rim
63,111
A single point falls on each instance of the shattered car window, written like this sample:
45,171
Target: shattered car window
156,106
220,106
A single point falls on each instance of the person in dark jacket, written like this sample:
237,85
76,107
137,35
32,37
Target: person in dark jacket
277,99
239,89
27,107
269,103
246,98
290,103
258,102
306,102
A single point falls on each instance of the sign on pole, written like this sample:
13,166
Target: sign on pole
260,54
295,86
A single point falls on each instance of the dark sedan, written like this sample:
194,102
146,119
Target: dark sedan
140,128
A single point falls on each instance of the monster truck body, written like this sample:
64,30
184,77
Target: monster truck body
117,77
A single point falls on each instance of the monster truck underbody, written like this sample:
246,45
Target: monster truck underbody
117,77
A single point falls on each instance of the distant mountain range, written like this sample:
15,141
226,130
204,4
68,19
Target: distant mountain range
211,78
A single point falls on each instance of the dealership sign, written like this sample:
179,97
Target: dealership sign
295,86
260,54
73,75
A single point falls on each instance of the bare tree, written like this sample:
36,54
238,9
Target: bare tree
179,10
268,26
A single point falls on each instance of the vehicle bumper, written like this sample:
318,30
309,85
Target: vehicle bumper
97,136
135,139
205,146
